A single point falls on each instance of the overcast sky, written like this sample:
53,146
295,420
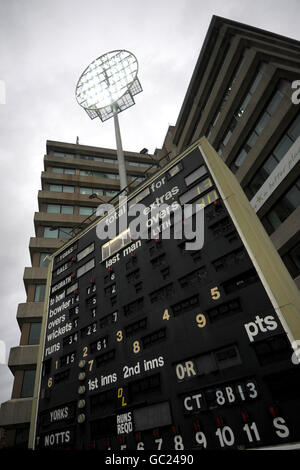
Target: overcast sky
44,47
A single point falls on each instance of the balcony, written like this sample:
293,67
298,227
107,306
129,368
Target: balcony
23,357
44,245
34,275
17,411
29,312
51,197
287,233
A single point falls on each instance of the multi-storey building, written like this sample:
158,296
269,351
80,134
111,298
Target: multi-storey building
76,178
240,98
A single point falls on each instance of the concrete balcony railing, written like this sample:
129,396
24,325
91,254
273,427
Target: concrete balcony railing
49,219
29,312
23,357
34,275
14,412
287,233
52,197
40,244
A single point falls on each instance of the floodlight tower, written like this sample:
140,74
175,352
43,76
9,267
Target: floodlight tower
107,87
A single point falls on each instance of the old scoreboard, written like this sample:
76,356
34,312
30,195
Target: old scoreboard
150,345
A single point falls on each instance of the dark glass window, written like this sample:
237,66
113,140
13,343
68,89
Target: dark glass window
239,112
59,188
39,294
22,436
292,260
28,384
257,131
279,151
44,260
86,210
61,171
285,206
59,209
34,333
59,232
63,154
295,255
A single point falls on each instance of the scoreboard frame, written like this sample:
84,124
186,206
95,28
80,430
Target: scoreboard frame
276,280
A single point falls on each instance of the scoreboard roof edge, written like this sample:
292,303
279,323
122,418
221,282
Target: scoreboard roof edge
134,193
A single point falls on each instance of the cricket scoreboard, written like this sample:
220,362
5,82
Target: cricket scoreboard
150,345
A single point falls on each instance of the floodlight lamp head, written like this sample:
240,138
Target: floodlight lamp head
107,86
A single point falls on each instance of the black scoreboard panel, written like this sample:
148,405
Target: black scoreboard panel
152,346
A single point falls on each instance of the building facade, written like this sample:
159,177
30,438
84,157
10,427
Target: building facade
240,98
75,180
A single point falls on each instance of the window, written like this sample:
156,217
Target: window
239,112
114,245
141,164
98,159
98,174
59,209
91,157
86,210
63,171
280,150
58,232
285,206
258,129
292,260
55,187
39,294
295,255
87,191
57,170
98,191
61,188
225,97
34,333
44,260
22,437
28,384
63,154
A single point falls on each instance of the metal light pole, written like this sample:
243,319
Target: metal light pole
107,87
120,153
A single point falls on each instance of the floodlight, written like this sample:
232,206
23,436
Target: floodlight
107,87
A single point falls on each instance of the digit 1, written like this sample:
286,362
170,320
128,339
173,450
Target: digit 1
248,430
226,436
